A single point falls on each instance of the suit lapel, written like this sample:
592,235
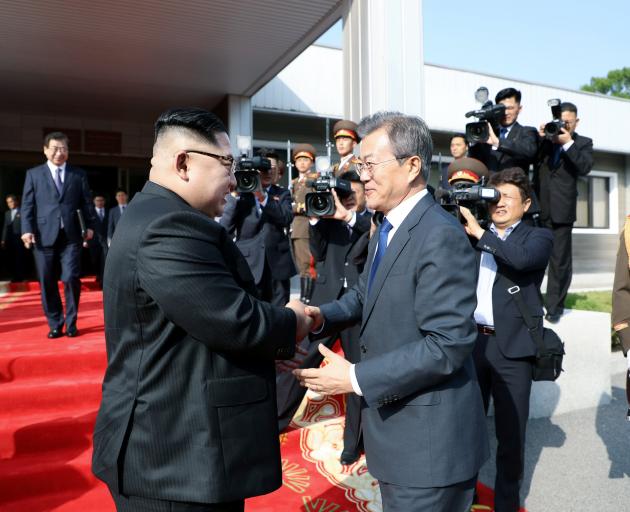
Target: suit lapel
49,180
395,247
66,182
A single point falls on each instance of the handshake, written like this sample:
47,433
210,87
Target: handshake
308,318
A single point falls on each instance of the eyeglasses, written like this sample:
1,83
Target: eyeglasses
58,149
226,161
368,167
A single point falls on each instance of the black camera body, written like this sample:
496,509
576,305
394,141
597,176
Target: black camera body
473,197
555,126
248,173
321,202
488,113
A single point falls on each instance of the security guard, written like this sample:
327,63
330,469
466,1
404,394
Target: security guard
346,138
303,158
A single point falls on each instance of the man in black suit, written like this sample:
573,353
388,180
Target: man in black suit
421,410
188,415
115,213
98,244
505,349
11,240
260,222
53,193
514,145
564,158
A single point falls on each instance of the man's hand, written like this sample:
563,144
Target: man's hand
471,227
28,239
563,137
541,130
493,140
316,317
291,364
261,195
331,379
89,234
304,322
341,212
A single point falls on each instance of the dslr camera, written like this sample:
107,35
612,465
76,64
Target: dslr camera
321,202
488,113
554,127
474,197
247,176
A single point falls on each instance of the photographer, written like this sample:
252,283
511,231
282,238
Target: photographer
504,351
260,221
563,158
514,145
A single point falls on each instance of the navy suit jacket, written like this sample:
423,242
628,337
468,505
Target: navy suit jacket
522,257
43,207
262,236
114,217
423,417
518,149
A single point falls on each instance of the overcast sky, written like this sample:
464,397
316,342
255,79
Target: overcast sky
558,43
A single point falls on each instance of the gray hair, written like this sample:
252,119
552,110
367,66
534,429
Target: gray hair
408,136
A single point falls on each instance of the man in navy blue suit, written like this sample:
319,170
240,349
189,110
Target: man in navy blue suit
505,350
53,192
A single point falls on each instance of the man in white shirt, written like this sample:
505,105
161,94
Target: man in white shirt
422,414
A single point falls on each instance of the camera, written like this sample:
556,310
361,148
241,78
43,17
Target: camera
488,113
247,176
554,127
473,197
321,202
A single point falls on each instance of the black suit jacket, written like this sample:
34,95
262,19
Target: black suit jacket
100,227
262,236
43,207
11,230
188,410
517,150
556,182
330,242
522,257
113,218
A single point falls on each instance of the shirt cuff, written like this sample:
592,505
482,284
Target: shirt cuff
565,147
312,222
321,328
353,220
354,382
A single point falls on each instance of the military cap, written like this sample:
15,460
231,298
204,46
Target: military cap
346,128
468,169
306,150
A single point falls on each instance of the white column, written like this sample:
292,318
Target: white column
240,119
383,57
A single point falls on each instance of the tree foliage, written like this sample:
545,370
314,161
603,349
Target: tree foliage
616,83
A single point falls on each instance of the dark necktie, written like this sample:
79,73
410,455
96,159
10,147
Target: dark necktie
58,182
100,213
555,159
503,133
383,231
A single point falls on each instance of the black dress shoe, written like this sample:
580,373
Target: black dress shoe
349,457
553,318
73,332
55,333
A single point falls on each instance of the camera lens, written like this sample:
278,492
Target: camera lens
319,204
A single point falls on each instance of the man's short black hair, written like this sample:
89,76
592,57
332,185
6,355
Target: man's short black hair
12,196
458,136
513,176
55,136
509,92
98,194
197,120
351,176
567,106
121,190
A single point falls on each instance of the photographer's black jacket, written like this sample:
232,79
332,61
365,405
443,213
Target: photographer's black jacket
518,149
556,185
522,257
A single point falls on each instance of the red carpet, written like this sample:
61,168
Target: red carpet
49,395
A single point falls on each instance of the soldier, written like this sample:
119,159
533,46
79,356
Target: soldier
468,170
346,138
303,158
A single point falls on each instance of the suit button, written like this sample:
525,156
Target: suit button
363,348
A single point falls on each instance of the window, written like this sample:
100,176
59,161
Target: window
597,203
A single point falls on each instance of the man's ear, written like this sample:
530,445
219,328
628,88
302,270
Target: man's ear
415,168
526,204
181,165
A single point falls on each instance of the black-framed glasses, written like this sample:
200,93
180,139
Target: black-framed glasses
368,167
226,161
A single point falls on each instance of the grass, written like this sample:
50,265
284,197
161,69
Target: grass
590,301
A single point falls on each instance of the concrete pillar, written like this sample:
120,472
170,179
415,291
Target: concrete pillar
382,57
240,119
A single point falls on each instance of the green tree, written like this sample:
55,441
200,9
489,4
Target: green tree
616,83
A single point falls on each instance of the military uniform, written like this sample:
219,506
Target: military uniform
466,169
348,129
299,226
